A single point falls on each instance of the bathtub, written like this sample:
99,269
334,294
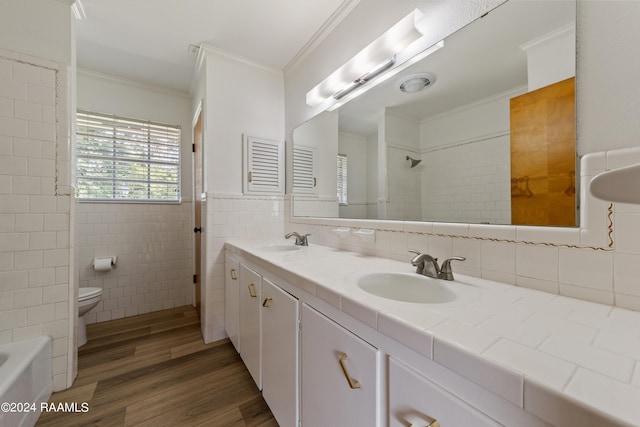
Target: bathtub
25,380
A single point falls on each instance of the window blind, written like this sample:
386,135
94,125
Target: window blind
342,179
121,159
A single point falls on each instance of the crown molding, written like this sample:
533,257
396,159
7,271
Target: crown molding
131,83
208,48
330,24
569,29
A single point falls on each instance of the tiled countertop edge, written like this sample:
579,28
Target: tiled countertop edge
548,404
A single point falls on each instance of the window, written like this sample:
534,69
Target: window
342,179
121,159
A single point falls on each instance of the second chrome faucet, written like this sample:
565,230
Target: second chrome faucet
428,266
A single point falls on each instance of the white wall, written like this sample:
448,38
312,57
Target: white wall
243,98
402,131
484,118
404,185
37,296
323,134
101,93
239,97
38,28
372,176
550,59
607,103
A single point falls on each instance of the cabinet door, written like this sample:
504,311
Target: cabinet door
416,401
264,166
250,287
232,301
280,353
339,375
305,166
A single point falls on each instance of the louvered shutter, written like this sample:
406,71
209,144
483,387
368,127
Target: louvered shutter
264,166
304,170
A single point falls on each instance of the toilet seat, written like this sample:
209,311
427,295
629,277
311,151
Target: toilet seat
88,293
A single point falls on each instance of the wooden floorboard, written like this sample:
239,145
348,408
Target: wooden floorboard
155,370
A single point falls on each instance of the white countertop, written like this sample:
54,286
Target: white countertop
524,345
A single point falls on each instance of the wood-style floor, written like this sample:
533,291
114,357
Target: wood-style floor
155,370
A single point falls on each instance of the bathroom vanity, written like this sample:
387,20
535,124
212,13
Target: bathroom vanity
325,351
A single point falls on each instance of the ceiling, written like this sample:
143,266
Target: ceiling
479,61
148,40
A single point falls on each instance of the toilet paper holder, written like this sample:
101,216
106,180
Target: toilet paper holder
112,258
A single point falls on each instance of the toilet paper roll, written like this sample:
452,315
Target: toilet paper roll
102,264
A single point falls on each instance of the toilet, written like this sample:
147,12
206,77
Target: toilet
88,298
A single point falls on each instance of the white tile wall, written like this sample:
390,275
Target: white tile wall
154,245
225,216
35,214
468,183
324,207
574,262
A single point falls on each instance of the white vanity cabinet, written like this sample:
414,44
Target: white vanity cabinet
250,334
232,301
280,353
416,401
339,375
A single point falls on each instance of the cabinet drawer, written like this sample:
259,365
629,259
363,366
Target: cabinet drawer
416,401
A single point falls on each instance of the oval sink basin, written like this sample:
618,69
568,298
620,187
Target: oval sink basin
412,287
279,247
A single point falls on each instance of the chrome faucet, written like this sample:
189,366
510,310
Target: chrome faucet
425,264
300,240
428,266
445,270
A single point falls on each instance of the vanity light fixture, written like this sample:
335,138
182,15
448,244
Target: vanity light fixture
398,67
370,62
381,68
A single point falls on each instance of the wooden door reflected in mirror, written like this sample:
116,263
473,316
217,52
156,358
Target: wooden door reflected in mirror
543,156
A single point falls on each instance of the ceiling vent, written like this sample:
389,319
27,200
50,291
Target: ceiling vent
416,82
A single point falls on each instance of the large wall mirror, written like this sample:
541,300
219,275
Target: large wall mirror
490,138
